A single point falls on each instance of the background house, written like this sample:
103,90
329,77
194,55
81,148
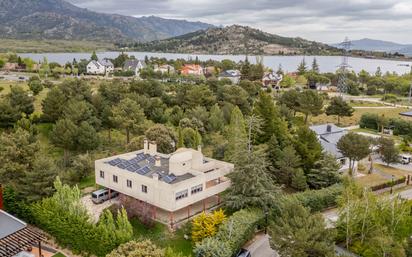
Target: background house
272,79
329,136
101,67
192,69
232,75
164,69
134,65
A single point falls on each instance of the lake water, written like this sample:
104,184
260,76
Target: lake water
288,63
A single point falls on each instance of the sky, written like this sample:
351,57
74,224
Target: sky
328,21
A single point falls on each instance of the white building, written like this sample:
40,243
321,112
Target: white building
101,67
232,75
176,186
329,136
134,65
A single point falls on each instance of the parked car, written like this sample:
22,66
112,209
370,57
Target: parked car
405,158
103,195
244,253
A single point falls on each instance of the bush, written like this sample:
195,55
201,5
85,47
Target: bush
390,98
389,184
401,127
319,200
206,225
232,234
136,249
128,73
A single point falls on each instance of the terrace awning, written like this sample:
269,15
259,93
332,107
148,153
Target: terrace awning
19,241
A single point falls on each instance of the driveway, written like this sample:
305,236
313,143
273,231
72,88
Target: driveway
259,246
95,210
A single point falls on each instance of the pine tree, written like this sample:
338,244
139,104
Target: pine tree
299,180
287,165
308,147
315,66
325,172
245,69
94,56
180,142
216,120
340,108
302,68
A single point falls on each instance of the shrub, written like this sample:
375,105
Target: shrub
137,249
319,200
206,225
401,127
232,234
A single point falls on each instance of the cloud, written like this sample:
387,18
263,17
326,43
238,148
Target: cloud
321,20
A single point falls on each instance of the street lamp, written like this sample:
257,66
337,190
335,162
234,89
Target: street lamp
392,184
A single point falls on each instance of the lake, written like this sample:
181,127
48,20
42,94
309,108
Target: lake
288,63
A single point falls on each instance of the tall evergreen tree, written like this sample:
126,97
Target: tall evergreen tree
310,103
325,173
315,66
245,69
235,132
94,56
302,68
308,147
216,120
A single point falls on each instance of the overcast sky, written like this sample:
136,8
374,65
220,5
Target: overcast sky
321,20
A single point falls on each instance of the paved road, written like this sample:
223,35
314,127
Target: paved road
259,246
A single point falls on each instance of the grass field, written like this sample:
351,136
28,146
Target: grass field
375,179
354,120
364,104
51,46
162,237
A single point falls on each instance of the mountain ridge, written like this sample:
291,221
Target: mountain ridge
368,44
58,19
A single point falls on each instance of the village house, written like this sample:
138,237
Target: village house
101,67
173,186
329,136
232,75
272,79
134,65
164,69
192,69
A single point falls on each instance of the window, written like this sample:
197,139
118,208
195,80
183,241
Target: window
181,194
129,183
197,189
144,189
343,161
115,179
102,174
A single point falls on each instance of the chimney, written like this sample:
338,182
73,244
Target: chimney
145,146
157,161
1,197
329,128
155,176
152,148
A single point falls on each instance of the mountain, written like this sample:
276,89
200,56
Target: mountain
367,44
235,39
57,19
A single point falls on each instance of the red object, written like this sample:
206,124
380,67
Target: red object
1,197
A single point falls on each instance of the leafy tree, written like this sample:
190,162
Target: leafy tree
216,121
355,147
310,103
53,105
235,132
290,98
8,114
297,232
340,108
86,137
388,151
287,82
308,147
163,136
325,172
35,86
206,225
235,95
21,101
128,115
191,138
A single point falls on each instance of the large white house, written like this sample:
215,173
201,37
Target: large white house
134,65
101,67
329,136
176,186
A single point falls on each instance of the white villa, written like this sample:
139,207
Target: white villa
134,65
329,135
176,186
232,75
101,67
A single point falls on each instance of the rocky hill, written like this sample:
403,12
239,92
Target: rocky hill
57,19
235,40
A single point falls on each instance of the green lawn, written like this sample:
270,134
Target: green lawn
162,237
59,255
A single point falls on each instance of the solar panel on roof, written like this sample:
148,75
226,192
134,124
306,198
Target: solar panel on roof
133,161
133,167
169,178
151,159
122,165
143,170
114,162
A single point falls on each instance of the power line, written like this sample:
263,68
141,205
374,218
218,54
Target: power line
344,66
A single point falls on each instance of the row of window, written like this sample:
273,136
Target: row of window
129,183
194,190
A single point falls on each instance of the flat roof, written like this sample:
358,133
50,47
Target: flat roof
144,164
9,224
408,114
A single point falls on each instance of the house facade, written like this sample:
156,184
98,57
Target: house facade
329,136
192,69
101,67
232,75
272,79
134,65
164,69
174,186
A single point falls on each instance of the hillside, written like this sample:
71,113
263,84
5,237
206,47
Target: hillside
374,45
235,40
57,19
